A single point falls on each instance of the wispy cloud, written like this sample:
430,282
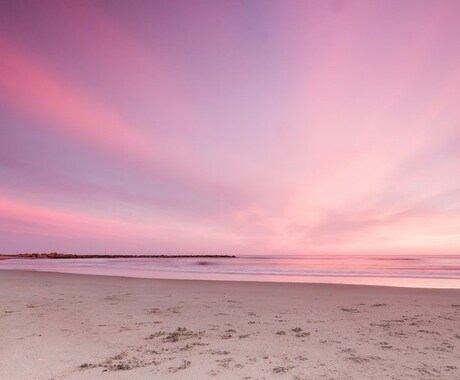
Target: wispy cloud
263,127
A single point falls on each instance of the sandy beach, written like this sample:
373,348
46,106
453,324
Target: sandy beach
62,326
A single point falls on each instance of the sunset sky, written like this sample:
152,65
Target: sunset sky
243,127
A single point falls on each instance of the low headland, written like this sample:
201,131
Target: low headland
57,255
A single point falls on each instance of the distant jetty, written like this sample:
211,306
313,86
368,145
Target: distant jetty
56,255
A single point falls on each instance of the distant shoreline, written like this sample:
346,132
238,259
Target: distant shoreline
55,255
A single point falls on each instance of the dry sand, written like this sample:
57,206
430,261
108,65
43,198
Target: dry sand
62,326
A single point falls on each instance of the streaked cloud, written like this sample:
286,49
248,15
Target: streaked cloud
259,127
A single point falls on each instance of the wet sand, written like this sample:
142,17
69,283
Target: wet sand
64,326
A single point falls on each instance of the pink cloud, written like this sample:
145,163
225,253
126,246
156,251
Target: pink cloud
282,126
38,92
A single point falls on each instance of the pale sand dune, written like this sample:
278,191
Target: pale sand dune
60,326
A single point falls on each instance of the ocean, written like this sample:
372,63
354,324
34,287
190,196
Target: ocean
428,271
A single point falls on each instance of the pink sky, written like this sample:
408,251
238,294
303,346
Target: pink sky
240,127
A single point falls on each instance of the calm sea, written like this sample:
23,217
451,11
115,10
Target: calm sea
409,271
